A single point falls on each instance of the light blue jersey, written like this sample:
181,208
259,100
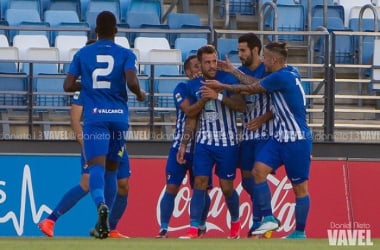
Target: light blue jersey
103,90
257,105
217,121
289,104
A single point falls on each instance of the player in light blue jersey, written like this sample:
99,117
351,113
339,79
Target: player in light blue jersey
79,191
104,69
216,140
292,140
174,171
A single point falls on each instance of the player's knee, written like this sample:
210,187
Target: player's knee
260,172
172,189
300,190
201,182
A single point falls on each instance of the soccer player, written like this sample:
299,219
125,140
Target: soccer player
258,113
175,172
216,140
257,119
291,144
104,67
79,191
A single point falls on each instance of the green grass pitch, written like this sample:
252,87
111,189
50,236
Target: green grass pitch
63,243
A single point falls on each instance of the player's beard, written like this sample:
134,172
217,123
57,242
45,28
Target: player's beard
247,62
209,75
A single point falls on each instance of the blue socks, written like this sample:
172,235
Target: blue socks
118,209
248,185
197,205
263,198
110,189
301,212
67,202
96,184
205,210
233,205
166,207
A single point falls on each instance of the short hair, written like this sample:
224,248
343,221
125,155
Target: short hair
90,41
252,41
186,64
278,48
106,24
207,49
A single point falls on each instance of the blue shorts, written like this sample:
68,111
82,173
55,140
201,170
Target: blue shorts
104,138
294,155
248,152
174,171
225,158
124,170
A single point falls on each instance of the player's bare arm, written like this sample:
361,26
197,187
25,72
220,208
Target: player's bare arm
188,134
192,110
244,78
75,121
134,85
256,123
254,88
228,67
70,84
234,102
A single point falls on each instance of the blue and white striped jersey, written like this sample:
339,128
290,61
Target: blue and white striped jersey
257,105
289,104
179,95
217,122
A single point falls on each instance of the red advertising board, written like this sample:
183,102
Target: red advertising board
341,193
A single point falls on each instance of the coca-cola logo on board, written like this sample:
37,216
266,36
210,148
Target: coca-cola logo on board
218,217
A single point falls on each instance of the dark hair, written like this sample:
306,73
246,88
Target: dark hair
90,41
106,24
186,64
278,48
252,41
207,49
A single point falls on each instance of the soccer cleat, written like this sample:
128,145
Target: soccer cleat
235,230
114,234
266,235
47,227
255,225
92,232
102,227
202,231
269,223
191,234
163,234
296,235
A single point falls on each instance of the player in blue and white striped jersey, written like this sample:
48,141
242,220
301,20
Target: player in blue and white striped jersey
292,140
257,119
175,172
216,139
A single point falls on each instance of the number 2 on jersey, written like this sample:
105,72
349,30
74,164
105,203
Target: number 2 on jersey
102,72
